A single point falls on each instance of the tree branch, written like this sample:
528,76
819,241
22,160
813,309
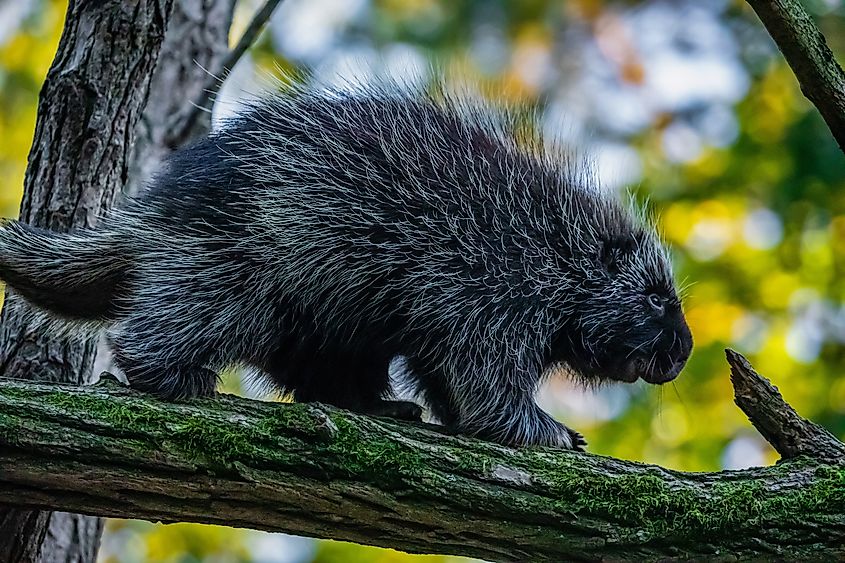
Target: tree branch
807,53
317,471
789,433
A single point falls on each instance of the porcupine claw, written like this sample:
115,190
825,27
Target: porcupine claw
579,444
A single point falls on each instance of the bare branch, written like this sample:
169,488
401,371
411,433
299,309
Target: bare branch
789,433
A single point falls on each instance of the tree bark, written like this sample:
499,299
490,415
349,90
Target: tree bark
87,111
318,471
71,538
194,121
807,53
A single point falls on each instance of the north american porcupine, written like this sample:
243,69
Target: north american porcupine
322,233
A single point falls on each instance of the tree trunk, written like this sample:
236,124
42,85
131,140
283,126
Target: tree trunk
87,112
318,471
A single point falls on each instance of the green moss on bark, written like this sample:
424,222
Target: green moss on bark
369,456
544,490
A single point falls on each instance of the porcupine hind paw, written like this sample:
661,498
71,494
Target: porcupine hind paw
579,444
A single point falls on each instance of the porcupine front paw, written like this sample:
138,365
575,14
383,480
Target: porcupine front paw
547,431
533,428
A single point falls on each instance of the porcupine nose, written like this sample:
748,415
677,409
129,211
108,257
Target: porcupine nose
679,353
669,363
685,339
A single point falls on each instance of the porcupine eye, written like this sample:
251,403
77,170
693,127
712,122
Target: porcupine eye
656,303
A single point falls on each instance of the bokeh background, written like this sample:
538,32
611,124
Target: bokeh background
686,103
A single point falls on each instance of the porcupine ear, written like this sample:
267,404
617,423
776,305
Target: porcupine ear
611,251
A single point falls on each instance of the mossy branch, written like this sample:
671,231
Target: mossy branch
806,51
318,471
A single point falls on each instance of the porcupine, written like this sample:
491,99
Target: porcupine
321,233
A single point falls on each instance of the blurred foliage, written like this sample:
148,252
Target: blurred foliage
131,542
747,183
25,57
